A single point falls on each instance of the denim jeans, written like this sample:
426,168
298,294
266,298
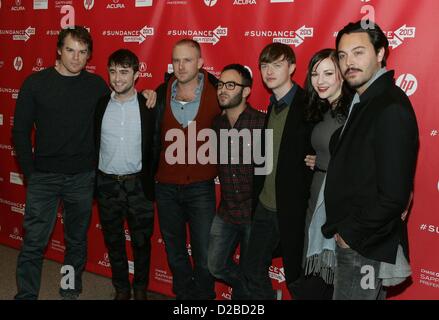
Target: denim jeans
44,193
224,239
193,204
356,277
264,239
119,201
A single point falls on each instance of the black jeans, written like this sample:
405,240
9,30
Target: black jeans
264,239
117,201
193,203
44,193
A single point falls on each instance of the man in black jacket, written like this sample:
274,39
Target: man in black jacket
125,183
370,175
280,196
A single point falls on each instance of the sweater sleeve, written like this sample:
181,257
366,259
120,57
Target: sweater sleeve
21,131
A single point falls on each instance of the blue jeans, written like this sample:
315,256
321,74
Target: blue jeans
44,193
195,204
352,277
224,238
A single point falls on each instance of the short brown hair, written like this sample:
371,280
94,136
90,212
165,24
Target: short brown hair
276,50
190,43
78,33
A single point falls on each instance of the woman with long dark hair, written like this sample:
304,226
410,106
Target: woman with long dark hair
328,105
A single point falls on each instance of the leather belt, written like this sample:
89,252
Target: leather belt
120,177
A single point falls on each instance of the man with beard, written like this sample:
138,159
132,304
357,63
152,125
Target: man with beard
370,175
123,135
231,225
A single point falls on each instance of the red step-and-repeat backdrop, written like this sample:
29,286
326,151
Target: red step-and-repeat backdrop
229,31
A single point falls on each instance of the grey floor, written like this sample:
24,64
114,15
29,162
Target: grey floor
95,287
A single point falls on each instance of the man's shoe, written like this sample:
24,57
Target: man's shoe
69,296
122,295
140,295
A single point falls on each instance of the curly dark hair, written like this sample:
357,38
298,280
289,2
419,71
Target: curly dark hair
316,107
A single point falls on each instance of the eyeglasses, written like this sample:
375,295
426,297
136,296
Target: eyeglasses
230,85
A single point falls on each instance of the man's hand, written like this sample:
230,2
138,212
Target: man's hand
341,243
151,98
310,161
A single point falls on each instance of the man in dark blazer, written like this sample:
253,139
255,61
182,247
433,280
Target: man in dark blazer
281,195
125,186
370,175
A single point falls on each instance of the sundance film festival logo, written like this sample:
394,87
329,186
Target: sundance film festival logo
429,228
408,83
277,274
6,146
16,207
398,36
17,6
138,36
202,36
13,92
89,4
19,34
289,37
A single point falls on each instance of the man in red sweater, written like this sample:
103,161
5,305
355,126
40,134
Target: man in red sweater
185,191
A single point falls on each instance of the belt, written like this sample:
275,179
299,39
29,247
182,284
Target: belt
120,177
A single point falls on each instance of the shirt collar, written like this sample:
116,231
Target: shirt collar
131,99
285,101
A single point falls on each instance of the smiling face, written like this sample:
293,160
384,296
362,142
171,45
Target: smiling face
326,80
358,59
73,56
122,79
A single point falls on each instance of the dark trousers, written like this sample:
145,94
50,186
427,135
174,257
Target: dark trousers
44,193
264,239
224,239
313,287
195,204
120,200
